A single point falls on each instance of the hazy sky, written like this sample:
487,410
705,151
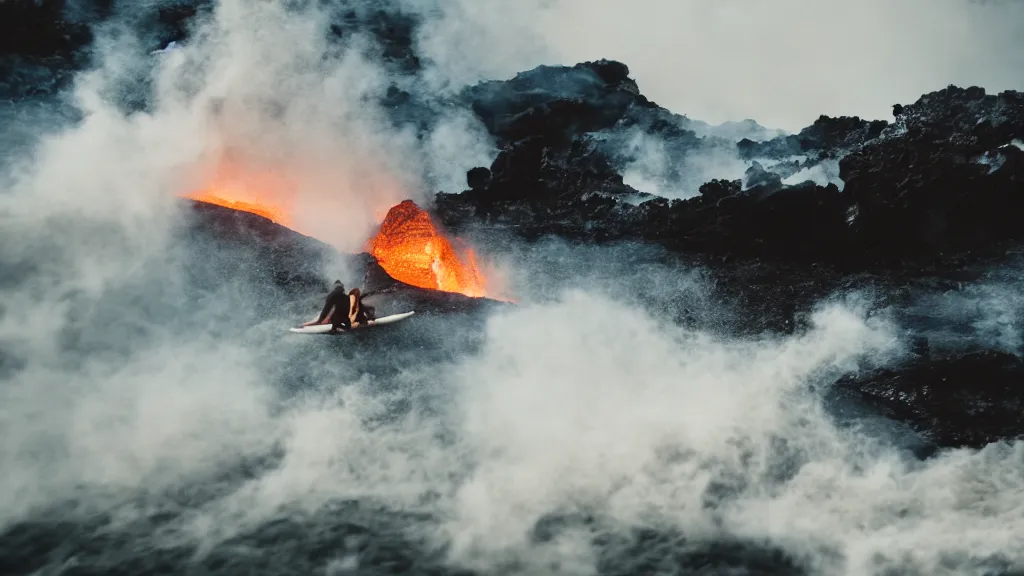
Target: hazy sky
781,62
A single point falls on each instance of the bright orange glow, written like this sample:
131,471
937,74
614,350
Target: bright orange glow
412,250
408,245
272,213
264,193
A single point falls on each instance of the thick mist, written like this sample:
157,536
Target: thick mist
117,342
147,383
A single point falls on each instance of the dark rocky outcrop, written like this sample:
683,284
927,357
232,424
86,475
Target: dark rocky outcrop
826,138
969,399
927,200
392,30
946,178
39,29
478,178
555,103
39,47
943,180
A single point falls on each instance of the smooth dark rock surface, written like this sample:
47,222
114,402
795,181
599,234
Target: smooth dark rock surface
967,400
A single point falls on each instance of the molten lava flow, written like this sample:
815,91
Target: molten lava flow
273,213
408,246
261,192
412,250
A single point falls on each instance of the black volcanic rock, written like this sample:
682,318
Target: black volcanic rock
945,178
477,178
557,175
942,180
554,102
970,400
923,199
542,183
802,223
392,30
827,138
39,29
39,46
593,105
841,133
716,190
275,253
548,184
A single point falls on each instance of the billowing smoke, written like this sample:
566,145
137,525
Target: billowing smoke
662,169
307,112
822,174
148,379
100,307
468,41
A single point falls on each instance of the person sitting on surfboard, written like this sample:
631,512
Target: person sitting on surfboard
336,310
356,314
343,310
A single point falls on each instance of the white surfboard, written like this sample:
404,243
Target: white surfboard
325,328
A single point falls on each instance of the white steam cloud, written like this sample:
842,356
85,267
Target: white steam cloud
125,388
621,418
823,173
657,170
257,98
288,108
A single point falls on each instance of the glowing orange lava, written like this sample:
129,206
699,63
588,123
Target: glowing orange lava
264,193
412,250
275,214
408,245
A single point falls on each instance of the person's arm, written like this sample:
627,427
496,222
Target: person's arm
325,315
353,308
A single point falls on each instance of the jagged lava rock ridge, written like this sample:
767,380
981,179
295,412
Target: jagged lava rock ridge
943,179
929,198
